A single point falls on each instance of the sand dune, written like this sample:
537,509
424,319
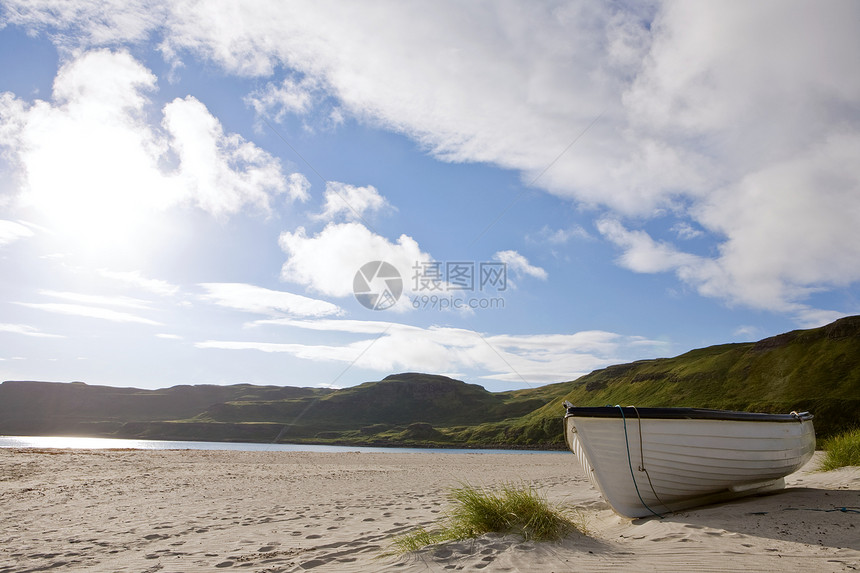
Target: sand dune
147,511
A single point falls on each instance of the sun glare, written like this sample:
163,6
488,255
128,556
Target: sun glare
106,198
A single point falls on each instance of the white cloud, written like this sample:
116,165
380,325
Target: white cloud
277,101
730,277
94,166
814,317
350,202
398,347
10,231
167,336
686,231
208,158
519,265
122,301
27,330
136,278
88,160
747,331
696,98
259,300
792,227
705,107
298,187
643,254
100,22
561,236
790,230
327,262
340,325
89,312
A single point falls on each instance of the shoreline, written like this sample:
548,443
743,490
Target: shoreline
69,442
278,512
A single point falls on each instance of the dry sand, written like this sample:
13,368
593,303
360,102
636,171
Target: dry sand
147,511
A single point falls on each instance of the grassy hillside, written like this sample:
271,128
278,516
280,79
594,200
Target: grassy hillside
34,408
816,370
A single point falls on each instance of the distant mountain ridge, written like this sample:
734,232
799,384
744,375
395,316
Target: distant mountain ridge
816,370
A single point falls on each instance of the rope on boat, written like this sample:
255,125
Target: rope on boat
630,463
642,468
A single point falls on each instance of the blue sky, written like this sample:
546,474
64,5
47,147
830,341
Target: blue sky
189,188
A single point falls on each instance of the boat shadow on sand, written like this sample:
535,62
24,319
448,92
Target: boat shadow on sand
822,517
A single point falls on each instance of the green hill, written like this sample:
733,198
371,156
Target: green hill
54,408
816,370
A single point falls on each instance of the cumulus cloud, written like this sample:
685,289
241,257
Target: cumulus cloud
794,222
91,22
736,280
643,254
514,358
704,109
208,158
686,231
277,100
696,102
351,202
519,265
91,160
327,262
298,187
259,300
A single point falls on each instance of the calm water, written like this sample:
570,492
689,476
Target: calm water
105,443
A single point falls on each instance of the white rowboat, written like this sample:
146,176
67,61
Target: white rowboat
652,461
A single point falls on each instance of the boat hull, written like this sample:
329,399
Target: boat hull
646,465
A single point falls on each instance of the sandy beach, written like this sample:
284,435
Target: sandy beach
147,511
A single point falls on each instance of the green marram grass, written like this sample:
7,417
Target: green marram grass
842,450
510,509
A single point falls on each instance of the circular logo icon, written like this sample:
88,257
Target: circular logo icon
377,285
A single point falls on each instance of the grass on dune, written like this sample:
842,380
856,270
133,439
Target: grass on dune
842,450
511,509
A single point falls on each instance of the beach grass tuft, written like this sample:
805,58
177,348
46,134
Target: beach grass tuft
842,450
511,509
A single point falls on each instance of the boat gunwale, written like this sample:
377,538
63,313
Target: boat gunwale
683,414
